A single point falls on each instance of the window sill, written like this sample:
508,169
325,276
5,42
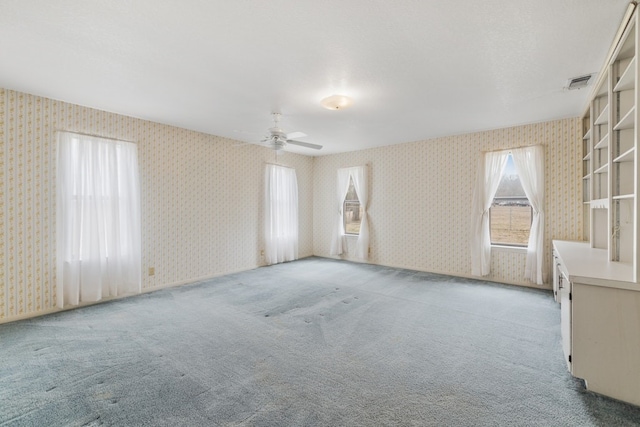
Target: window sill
504,248
352,235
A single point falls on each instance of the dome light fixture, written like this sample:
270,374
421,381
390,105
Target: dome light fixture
336,102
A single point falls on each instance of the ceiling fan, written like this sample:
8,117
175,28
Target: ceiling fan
278,139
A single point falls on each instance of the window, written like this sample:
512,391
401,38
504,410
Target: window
511,214
98,230
489,226
281,214
351,200
352,210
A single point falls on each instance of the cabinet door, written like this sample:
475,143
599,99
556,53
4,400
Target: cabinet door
564,289
606,340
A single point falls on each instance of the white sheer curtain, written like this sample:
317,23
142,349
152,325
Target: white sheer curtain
338,244
281,214
529,163
98,219
490,168
359,176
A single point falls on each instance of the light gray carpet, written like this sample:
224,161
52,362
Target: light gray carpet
314,342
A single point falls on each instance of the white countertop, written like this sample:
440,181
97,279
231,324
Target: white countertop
591,266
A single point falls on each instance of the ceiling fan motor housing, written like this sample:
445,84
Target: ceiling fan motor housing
278,138
276,131
278,141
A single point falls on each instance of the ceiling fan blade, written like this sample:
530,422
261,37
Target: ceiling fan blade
305,144
294,135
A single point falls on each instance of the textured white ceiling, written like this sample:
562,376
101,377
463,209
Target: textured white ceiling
416,69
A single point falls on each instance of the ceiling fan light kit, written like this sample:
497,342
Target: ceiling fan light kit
336,102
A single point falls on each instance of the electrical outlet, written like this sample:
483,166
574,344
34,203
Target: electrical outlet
152,271
262,253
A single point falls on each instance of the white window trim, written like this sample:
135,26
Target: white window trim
507,248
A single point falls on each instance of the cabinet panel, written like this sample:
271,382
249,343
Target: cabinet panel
623,103
623,143
606,340
623,179
623,230
600,236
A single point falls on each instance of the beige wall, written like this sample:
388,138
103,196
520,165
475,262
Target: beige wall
420,198
201,199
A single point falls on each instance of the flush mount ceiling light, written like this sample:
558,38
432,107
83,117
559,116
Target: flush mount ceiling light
336,102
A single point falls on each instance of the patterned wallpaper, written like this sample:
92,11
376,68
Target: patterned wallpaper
421,192
201,199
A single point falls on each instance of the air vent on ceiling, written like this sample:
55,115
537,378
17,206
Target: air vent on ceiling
579,82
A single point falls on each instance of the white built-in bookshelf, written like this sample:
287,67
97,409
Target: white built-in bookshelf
609,146
597,281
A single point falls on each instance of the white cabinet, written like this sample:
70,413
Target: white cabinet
600,319
606,340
